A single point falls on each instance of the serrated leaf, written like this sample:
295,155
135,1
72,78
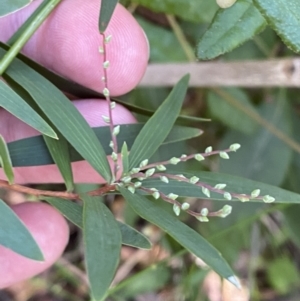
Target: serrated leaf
283,17
124,155
13,103
10,6
62,113
5,161
229,29
102,245
187,237
159,125
234,184
106,10
21,150
15,236
73,212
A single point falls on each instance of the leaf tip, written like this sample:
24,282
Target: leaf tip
235,281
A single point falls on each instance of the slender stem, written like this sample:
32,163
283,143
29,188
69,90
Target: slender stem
59,194
28,32
107,97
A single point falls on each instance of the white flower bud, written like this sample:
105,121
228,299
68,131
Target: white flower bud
116,130
105,92
225,211
112,105
176,209
185,206
227,196
156,195
220,186
131,189
137,184
243,198
174,160
208,149
255,193
161,167
106,119
101,49
268,199
225,3
126,179
134,170
224,155
204,212
111,144
107,39
199,157
106,64
172,196
234,147
194,180
144,163
206,191
114,156
202,218
150,172
164,179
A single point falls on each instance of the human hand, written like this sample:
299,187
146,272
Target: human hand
68,43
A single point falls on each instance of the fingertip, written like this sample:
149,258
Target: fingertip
51,232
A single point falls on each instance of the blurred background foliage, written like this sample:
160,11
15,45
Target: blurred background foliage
261,242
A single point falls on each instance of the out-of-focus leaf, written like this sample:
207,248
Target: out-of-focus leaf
230,28
73,212
10,6
21,150
234,184
124,155
15,236
62,114
283,17
106,10
292,223
59,150
193,10
229,114
262,157
5,161
102,245
159,125
186,236
164,46
14,104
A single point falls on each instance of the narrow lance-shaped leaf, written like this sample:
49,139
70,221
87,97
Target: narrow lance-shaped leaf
59,150
187,237
159,125
9,6
21,150
5,161
106,10
283,17
229,29
14,104
15,236
73,212
62,114
124,155
102,244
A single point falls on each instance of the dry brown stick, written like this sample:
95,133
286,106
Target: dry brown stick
264,73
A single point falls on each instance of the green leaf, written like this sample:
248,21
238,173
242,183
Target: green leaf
13,103
62,114
21,150
59,150
193,10
10,6
229,114
229,29
159,125
15,236
234,184
124,155
73,212
102,244
106,10
263,156
187,237
5,161
283,17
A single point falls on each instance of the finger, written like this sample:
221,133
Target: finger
51,232
13,129
69,40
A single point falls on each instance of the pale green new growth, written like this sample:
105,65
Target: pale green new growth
150,172
106,64
183,156
185,206
204,212
131,189
199,157
107,39
111,144
243,198
114,156
144,163
161,167
164,179
202,218
126,179
255,193
176,209
112,105
116,130
224,155
220,186
172,196
194,180
137,184
206,192
225,211
268,199
174,160
227,196
156,195
101,49
208,149
134,170
106,119
106,92
234,147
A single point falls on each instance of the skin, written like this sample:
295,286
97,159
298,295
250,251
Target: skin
68,43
